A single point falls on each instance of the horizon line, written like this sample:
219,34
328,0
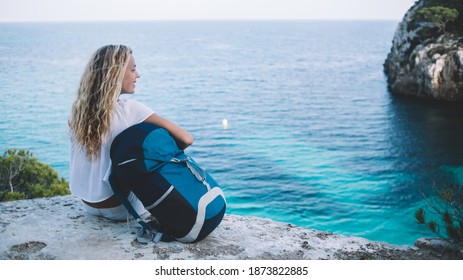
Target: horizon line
193,19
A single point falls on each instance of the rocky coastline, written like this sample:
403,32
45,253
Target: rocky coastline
425,61
58,228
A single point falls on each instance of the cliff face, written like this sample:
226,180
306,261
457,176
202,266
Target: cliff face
424,61
59,228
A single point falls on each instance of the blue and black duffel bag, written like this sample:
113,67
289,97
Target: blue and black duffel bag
186,202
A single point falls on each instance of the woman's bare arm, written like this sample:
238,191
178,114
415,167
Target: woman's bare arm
181,136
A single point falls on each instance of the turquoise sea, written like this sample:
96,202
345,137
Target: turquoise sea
314,136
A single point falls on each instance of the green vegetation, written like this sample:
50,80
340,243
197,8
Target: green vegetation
448,206
441,13
439,16
22,176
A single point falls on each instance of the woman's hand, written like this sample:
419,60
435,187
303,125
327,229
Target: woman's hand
181,136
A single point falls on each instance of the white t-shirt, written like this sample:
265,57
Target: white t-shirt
89,178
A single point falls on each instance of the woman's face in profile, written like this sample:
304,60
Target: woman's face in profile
130,77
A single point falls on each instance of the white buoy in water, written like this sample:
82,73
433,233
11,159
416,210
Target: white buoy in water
225,123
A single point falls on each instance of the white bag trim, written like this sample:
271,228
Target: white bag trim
201,217
156,203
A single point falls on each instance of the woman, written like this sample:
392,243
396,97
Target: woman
97,117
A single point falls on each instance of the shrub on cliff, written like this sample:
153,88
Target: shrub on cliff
455,24
439,16
22,176
447,205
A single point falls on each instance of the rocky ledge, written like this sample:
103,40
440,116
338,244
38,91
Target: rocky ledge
425,61
59,228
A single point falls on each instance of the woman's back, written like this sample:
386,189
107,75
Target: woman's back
88,176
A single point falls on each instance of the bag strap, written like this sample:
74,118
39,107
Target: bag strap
147,233
195,169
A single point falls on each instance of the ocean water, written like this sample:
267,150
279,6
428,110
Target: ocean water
314,136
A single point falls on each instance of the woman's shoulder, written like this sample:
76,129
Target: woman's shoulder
128,102
134,107
131,104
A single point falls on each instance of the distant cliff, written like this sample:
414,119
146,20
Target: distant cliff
59,228
426,60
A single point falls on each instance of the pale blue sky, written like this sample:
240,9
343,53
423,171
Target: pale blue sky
82,10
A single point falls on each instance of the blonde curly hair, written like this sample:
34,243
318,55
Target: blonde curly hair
99,90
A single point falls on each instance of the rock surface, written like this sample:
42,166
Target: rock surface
59,228
425,62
